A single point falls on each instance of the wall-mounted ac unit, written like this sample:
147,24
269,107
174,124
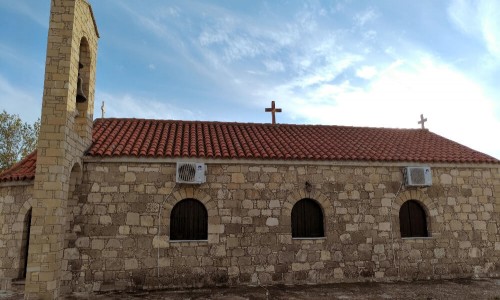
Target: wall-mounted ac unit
418,176
193,173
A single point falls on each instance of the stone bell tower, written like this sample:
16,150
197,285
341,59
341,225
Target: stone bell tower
65,134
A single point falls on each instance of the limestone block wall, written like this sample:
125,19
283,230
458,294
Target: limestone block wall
118,233
15,202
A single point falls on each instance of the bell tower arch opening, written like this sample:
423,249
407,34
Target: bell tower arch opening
83,88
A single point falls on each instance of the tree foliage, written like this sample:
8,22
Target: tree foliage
17,139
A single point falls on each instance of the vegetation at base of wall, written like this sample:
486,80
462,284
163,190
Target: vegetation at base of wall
17,139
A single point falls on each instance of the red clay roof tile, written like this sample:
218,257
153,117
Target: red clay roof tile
199,139
23,170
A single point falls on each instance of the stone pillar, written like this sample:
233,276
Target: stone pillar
65,134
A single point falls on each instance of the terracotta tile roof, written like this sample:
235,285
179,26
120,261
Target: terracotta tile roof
23,170
199,139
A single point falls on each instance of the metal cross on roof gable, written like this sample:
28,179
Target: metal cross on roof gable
103,110
422,121
273,110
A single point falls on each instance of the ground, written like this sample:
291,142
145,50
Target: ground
438,289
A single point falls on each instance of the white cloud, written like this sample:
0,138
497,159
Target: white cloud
454,104
464,15
366,72
370,35
274,66
490,25
326,72
306,20
12,96
19,59
478,19
237,40
213,36
365,16
31,10
173,11
239,47
131,106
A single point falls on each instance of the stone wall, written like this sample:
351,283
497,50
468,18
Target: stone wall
118,231
15,202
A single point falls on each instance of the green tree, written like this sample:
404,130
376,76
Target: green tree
17,139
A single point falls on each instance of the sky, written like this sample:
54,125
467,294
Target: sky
346,62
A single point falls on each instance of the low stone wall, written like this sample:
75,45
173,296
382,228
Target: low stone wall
118,228
15,202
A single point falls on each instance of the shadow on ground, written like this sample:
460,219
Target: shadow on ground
469,289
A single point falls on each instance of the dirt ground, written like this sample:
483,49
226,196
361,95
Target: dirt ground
469,289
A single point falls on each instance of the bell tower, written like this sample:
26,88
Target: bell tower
65,134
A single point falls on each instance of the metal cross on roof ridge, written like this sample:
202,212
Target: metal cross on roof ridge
273,110
103,110
422,121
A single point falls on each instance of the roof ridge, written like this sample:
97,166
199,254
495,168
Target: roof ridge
255,123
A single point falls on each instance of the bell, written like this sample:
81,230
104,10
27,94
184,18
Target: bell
80,95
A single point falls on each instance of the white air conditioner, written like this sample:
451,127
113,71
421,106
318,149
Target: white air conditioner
418,176
193,173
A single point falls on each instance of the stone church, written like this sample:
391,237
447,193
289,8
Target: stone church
111,204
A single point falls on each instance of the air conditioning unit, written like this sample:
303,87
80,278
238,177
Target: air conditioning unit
418,176
192,173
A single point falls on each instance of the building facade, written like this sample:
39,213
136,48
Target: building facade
105,204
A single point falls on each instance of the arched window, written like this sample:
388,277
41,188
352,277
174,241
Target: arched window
307,219
189,221
412,220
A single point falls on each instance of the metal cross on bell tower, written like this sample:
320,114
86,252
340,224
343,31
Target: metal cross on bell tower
273,110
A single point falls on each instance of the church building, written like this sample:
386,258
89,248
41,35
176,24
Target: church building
113,204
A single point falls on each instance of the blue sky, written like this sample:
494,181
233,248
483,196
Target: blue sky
359,63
